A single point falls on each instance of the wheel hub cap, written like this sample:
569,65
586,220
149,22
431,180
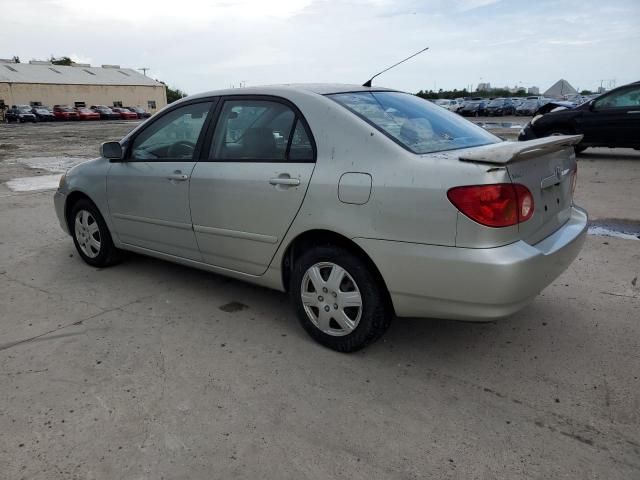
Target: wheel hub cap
338,311
87,233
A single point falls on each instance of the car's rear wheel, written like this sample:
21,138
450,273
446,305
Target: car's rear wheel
339,300
91,235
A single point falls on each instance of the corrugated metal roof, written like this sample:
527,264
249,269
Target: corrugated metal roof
58,74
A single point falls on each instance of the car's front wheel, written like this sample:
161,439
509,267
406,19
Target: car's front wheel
91,235
339,300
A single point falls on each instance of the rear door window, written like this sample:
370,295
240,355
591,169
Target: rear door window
259,130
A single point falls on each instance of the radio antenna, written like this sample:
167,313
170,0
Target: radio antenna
368,82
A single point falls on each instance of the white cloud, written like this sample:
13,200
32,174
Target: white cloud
200,45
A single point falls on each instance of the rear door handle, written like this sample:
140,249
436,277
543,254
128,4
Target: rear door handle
288,181
178,176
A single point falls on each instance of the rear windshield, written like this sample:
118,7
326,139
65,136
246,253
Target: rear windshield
416,124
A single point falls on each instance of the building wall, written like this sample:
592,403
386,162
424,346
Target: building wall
51,94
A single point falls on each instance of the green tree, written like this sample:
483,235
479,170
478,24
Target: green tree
586,92
16,59
61,61
174,94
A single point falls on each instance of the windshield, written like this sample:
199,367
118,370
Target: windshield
496,102
416,124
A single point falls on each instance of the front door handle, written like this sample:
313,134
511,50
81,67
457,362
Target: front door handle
633,111
178,176
288,181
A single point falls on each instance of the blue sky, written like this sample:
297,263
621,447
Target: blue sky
200,45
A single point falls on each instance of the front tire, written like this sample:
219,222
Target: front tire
339,300
91,235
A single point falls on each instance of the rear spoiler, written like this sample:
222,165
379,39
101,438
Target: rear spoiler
506,152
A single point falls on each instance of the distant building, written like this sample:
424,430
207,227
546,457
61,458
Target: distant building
560,89
484,87
601,89
42,83
533,91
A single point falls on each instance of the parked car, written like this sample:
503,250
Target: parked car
611,120
42,113
64,112
105,112
141,112
362,203
125,114
473,108
85,113
527,107
500,106
20,114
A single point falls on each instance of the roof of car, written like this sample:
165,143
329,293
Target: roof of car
319,88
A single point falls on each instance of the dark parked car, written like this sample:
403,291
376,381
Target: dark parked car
611,120
20,114
64,112
141,112
105,112
42,113
500,106
473,108
528,107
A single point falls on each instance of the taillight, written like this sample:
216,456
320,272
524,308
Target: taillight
496,205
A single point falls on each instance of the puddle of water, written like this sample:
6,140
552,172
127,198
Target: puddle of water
52,164
628,230
29,184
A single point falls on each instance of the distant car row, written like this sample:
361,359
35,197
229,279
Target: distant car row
477,106
41,113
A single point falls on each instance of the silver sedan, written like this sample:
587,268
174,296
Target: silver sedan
363,203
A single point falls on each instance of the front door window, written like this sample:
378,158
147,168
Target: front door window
174,136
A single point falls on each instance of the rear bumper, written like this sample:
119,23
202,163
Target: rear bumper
474,284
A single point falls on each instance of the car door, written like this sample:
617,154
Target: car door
245,197
148,192
613,119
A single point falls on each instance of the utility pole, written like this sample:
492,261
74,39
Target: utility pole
144,70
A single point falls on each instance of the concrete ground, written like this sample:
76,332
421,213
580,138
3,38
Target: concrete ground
150,370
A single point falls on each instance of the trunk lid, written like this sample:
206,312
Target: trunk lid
546,167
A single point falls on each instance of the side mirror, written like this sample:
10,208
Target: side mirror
592,105
111,150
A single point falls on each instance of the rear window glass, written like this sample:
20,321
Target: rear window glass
416,124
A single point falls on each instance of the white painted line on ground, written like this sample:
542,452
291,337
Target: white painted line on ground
29,184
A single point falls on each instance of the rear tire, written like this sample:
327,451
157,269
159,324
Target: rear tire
339,301
91,235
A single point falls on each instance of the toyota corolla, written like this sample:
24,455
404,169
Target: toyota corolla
365,204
